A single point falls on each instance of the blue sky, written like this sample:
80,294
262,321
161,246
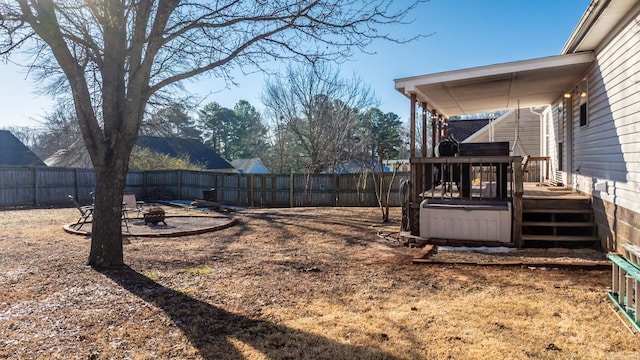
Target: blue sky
464,33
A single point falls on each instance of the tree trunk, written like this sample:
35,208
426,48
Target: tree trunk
106,234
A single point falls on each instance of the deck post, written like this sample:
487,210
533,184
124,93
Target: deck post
446,127
412,150
434,119
518,177
424,129
412,140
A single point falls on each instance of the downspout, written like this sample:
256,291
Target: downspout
540,116
541,134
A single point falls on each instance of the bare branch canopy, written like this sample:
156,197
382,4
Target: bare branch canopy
113,57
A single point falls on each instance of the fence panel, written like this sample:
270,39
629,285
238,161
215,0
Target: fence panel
233,189
195,182
162,185
41,186
54,184
313,190
85,185
17,186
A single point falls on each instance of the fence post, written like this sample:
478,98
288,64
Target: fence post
76,185
251,190
35,186
180,184
291,190
274,190
336,189
144,185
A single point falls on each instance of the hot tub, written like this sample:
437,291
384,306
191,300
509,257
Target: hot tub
466,220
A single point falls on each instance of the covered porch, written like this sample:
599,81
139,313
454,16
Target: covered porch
484,177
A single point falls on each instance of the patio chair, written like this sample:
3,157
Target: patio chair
129,204
85,212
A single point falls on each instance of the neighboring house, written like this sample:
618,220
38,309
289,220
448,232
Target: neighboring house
354,166
76,156
250,166
193,148
461,130
14,152
590,95
401,165
521,128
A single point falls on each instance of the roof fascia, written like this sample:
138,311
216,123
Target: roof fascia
588,19
622,11
409,84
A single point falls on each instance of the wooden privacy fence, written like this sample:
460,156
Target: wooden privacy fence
47,186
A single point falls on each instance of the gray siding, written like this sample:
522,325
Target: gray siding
608,148
505,130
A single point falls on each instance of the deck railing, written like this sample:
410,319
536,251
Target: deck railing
469,178
466,177
537,169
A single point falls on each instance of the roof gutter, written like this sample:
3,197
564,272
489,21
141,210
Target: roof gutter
588,20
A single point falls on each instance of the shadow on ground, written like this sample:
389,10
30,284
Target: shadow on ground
210,328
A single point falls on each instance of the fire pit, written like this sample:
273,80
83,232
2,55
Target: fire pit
154,216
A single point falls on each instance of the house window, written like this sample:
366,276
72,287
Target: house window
583,114
560,157
584,95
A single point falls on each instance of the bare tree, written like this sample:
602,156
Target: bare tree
320,109
115,56
59,135
26,135
172,121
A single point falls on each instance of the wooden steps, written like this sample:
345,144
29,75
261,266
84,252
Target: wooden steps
558,211
555,238
558,223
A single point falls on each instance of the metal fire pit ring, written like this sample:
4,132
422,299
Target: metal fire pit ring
154,216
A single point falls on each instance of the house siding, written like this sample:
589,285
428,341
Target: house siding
607,149
504,130
551,137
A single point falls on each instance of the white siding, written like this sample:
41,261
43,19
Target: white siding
608,148
554,134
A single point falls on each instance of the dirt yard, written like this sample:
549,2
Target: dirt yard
302,283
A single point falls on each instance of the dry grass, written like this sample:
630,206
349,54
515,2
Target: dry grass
288,284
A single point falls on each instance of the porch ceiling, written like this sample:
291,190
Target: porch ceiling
496,87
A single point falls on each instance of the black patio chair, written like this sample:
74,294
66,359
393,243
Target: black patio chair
85,213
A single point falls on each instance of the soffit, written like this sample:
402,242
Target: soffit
526,83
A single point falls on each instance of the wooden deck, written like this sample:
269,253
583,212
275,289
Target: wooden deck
545,191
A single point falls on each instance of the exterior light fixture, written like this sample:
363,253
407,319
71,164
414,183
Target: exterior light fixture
567,95
583,94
